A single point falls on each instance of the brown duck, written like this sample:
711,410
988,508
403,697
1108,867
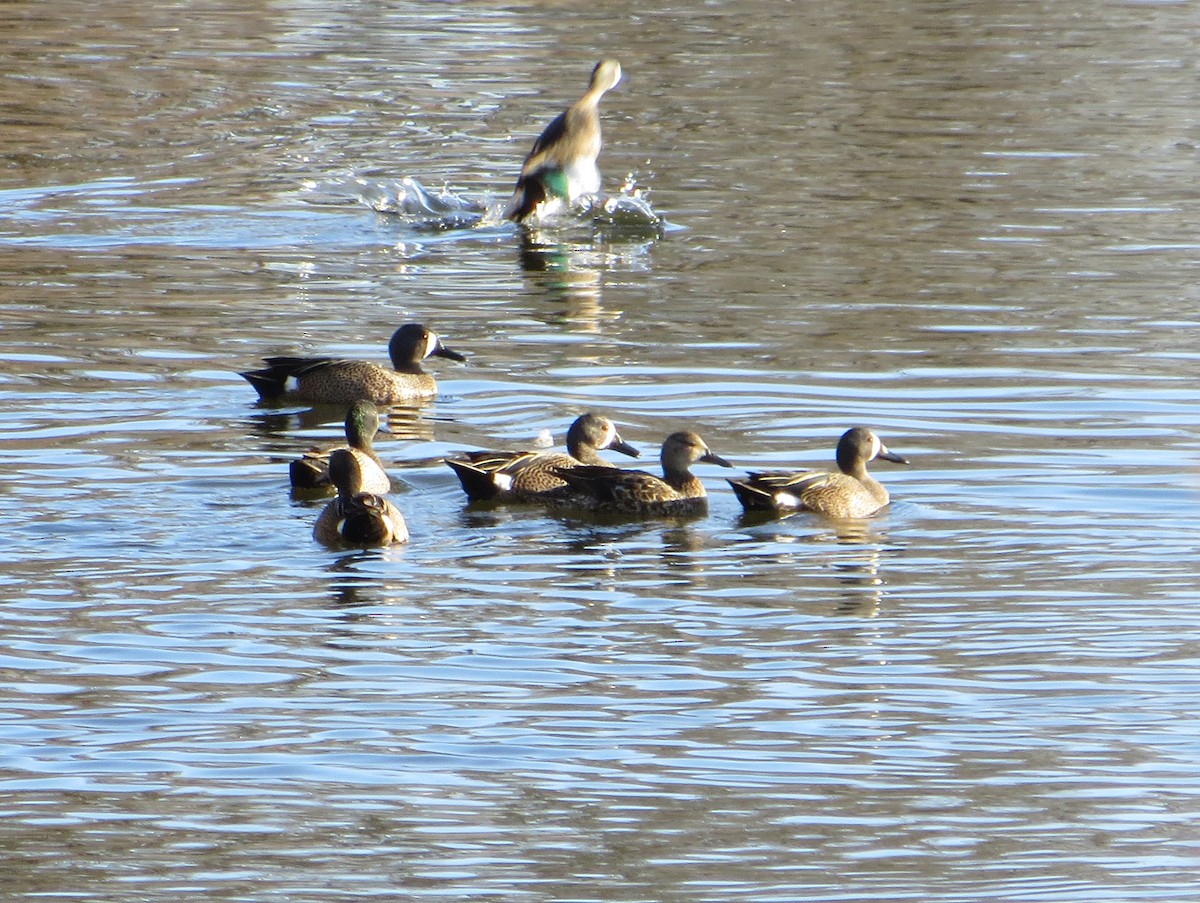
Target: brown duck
527,476
610,489
356,517
326,380
851,493
362,422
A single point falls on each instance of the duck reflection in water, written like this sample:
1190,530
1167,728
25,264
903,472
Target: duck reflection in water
861,587
570,270
668,551
400,421
850,550
569,274
350,590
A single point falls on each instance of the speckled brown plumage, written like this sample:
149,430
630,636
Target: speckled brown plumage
852,493
527,475
324,380
612,490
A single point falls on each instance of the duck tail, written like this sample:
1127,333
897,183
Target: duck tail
477,483
752,496
528,194
270,382
309,472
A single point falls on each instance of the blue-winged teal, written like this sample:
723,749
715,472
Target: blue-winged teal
561,167
362,422
356,517
524,476
851,493
610,489
326,380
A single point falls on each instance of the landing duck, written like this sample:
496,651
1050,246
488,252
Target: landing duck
561,167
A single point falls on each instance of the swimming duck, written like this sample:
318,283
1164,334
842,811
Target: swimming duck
561,167
610,489
524,476
851,493
326,380
362,422
356,517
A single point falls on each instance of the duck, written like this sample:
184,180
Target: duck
850,493
357,517
612,490
327,380
561,167
528,475
362,422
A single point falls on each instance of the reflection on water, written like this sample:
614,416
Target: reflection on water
969,229
566,274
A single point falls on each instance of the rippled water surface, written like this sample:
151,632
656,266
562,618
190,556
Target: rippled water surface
973,227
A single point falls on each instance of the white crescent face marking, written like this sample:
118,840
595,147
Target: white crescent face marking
876,447
610,435
431,343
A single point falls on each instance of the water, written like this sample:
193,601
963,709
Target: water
969,227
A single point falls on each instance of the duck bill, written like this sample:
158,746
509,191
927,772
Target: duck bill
620,445
891,456
442,351
710,458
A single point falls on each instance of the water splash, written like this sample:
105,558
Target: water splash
624,216
424,208
628,210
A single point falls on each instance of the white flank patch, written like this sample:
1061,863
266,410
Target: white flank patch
786,500
503,481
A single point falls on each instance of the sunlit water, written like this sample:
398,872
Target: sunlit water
971,228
